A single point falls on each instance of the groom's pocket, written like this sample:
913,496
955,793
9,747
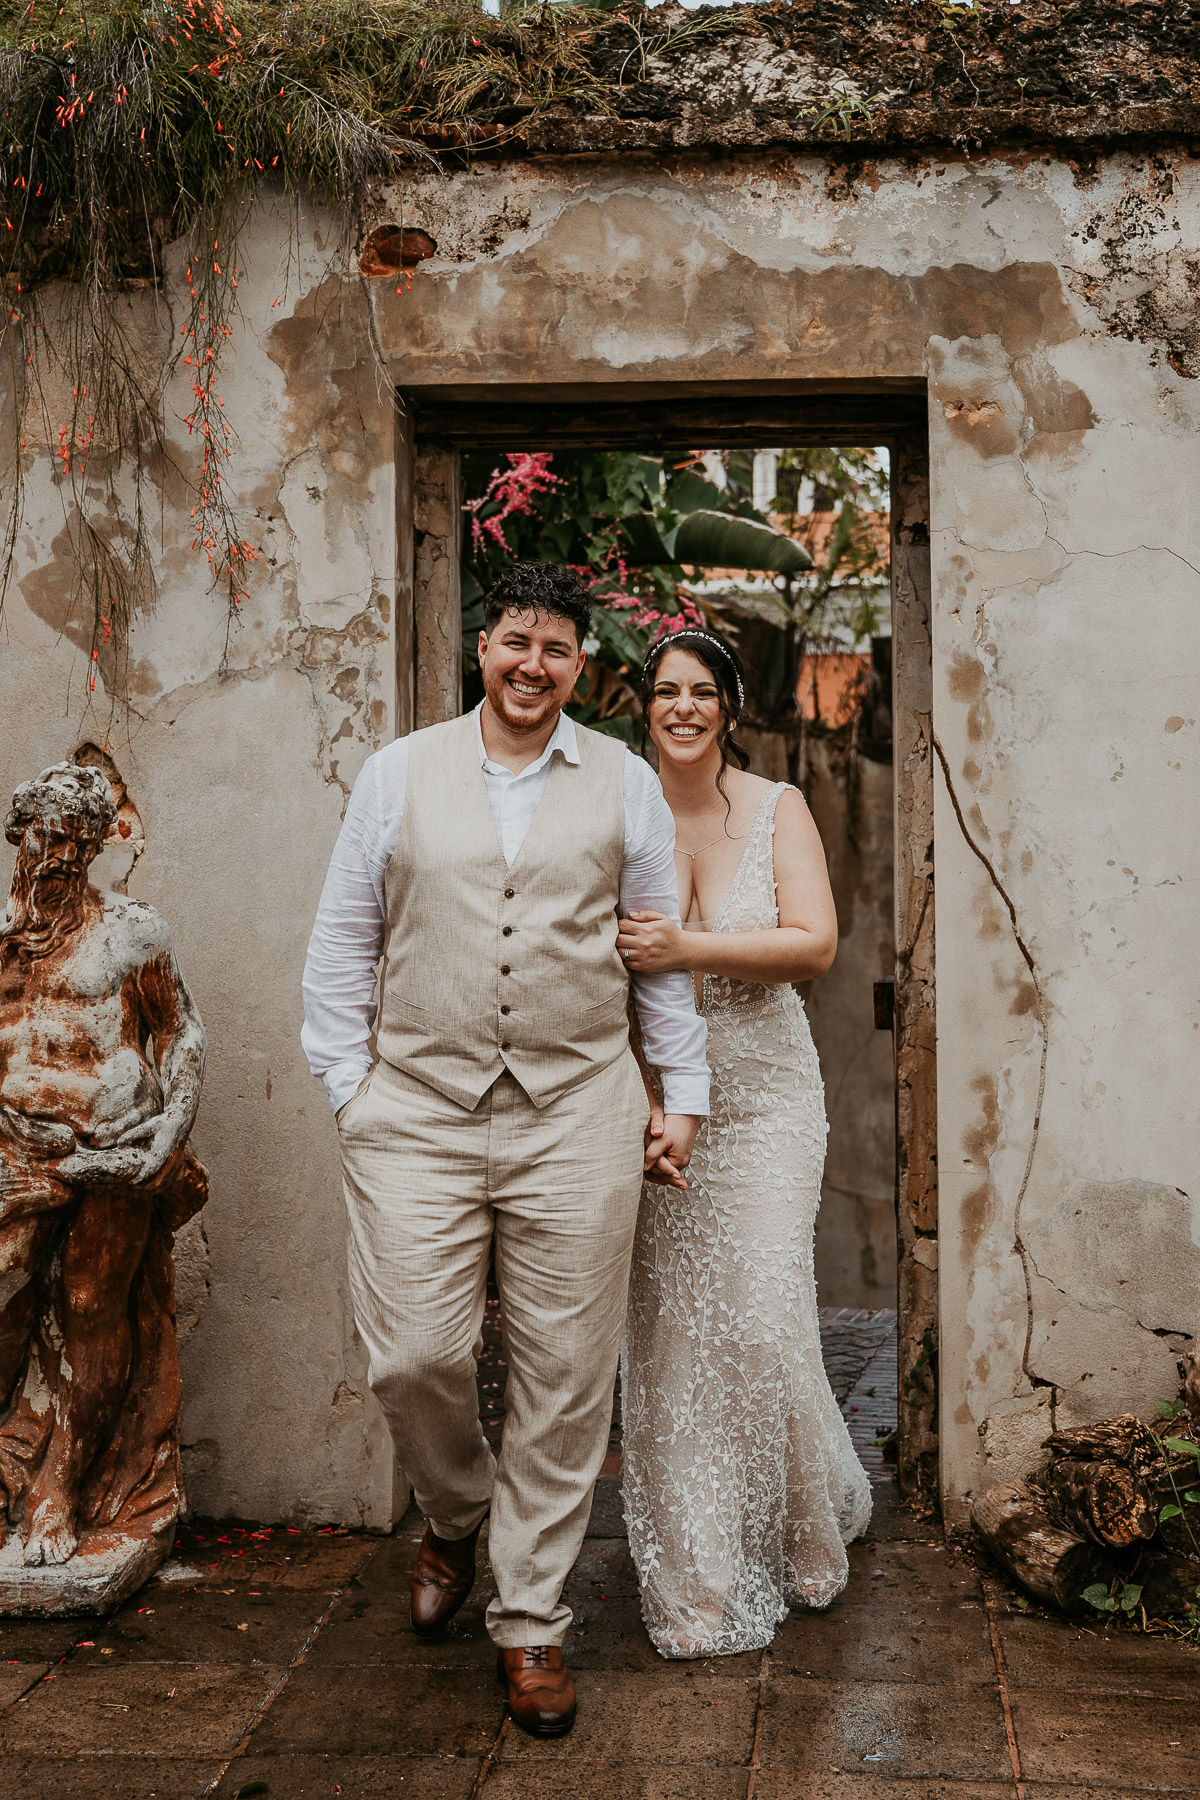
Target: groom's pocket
601,1017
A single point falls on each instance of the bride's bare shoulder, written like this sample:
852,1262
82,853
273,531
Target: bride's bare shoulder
746,788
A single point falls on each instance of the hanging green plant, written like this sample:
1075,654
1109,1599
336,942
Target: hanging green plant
127,125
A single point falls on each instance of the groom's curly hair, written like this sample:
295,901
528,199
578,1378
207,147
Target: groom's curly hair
539,587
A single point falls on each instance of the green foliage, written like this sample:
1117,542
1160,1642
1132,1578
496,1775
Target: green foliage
1124,1596
126,117
647,530
841,111
1178,1507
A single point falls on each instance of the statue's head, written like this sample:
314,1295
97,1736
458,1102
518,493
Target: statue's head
58,823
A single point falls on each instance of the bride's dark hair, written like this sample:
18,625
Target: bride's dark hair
725,666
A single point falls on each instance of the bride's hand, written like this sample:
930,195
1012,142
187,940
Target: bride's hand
651,944
669,1140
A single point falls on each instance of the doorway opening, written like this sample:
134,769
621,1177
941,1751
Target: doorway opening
841,712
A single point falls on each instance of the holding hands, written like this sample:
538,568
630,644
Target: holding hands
669,1141
651,944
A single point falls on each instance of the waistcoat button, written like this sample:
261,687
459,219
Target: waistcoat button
506,1009
506,1045
504,969
507,932
510,893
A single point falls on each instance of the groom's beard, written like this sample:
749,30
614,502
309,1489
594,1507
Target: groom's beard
521,717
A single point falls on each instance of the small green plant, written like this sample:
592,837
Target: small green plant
1187,1626
1123,1596
842,111
924,1360
1190,1496
955,11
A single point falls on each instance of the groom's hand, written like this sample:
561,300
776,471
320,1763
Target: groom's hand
669,1141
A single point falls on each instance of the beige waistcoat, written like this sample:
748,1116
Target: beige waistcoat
490,967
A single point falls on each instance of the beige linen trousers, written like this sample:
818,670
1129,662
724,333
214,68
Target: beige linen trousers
426,1183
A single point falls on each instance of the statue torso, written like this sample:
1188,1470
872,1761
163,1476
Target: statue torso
73,1023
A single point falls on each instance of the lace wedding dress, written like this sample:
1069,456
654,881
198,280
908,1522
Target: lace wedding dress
741,1486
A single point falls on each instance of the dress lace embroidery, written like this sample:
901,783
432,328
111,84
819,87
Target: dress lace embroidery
741,1486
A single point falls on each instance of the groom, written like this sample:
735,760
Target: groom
485,860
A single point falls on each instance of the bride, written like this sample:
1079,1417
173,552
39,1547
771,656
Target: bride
741,1485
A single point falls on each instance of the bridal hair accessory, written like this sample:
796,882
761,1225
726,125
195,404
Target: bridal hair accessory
694,631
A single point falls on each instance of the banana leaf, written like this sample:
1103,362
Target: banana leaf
644,544
686,491
714,540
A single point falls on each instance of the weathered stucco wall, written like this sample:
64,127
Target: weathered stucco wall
238,753
855,1250
1047,308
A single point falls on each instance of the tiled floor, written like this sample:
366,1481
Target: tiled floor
284,1658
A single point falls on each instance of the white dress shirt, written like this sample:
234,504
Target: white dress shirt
348,937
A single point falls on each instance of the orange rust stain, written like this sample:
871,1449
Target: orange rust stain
975,1215
965,676
982,1138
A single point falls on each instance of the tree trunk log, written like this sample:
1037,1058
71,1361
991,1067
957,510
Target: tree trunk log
1103,1500
1110,1440
1054,1564
1170,1583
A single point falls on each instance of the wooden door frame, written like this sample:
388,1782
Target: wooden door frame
435,425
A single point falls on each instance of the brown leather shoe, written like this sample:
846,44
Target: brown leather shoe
541,1694
443,1575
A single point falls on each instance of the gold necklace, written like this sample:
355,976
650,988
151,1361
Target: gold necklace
693,854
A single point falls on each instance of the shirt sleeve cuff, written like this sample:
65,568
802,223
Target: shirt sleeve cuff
344,1079
686,1094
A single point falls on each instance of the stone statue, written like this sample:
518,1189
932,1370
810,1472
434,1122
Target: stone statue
101,1061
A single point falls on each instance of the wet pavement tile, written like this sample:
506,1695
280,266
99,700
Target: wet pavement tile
1108,1739
352,1777
910,1612
607,1516
883,1728
606,1632
196,1625
140,1709
16,1679
687,1715
372,1629
105,1778
388,1567
614,1781
1088,1790
1059,1653
910,1573
783,1784
40,1640
895,1519
218,1554
390,1710
947,1646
